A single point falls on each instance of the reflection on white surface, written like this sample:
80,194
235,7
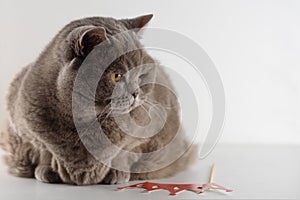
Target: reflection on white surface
253,172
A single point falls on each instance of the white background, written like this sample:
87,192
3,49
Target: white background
254,44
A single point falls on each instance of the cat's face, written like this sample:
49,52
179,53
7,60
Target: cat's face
126,83
122,86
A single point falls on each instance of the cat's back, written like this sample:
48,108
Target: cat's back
15,87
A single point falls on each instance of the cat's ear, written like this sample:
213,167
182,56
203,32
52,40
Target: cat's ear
89,39
138,22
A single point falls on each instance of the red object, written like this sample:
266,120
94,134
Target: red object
176,188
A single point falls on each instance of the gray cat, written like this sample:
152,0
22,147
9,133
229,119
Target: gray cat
42,139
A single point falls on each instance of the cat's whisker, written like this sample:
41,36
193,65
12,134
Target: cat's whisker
148,103
153,103
77,141
108,99
89,88
157,113
84,96
151,100
142,106
106,116
105,109
161,117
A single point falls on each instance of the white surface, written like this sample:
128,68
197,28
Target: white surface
253,172
255,45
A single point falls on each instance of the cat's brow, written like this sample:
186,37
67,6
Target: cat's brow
126,68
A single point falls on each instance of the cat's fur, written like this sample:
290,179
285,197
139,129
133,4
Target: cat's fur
41,138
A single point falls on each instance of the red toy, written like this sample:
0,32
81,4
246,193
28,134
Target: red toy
176,188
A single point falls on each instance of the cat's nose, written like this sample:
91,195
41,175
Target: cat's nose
135,94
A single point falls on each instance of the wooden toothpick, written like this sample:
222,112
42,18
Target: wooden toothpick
212,173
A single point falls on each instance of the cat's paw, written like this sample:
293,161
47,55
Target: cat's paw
44,173
116,177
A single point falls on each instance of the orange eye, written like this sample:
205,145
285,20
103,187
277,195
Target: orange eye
116,77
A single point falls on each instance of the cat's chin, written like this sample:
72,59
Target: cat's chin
127,110
121,111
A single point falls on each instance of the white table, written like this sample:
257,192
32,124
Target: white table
252,171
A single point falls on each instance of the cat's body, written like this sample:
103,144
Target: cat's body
41,137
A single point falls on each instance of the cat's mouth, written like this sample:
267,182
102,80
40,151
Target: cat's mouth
125,105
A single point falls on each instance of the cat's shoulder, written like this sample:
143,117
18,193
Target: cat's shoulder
17,83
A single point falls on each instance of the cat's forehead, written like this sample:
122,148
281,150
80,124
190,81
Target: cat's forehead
129,60
112,25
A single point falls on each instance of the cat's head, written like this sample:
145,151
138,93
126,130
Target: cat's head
121,85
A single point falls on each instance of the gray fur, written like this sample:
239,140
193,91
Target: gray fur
41,138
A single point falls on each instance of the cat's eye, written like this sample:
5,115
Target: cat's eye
116,77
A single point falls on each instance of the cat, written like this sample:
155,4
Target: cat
41,139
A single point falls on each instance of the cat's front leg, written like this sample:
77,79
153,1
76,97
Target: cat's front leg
46,174
116,177
122,161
